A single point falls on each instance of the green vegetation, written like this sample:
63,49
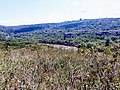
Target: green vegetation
94,64
71,33
43,67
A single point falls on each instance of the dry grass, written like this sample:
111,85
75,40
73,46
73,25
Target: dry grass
41,67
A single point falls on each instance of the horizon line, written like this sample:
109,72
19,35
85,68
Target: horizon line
61,21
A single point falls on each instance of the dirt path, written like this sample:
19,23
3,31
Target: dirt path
63,46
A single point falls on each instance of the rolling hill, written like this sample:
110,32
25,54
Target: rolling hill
64,32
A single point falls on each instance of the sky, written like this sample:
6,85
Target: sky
19,12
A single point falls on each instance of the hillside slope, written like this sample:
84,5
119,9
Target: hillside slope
67,33
85,24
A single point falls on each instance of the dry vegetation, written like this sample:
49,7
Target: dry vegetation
42,67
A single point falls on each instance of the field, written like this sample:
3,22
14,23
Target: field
45,67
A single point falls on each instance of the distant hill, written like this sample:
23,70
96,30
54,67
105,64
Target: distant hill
85,24
68,32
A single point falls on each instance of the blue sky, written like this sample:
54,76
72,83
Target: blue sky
19,12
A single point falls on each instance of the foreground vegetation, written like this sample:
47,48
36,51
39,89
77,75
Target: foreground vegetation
43,67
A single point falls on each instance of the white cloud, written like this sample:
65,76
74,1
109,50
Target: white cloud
3,21
100,8
75,2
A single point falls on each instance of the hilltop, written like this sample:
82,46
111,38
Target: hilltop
82,24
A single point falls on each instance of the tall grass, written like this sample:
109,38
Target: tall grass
42,67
